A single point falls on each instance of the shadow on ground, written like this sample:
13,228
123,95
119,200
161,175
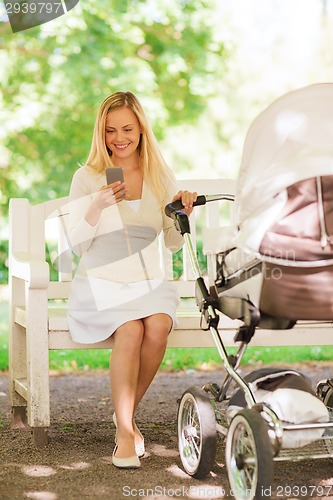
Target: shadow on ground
77,462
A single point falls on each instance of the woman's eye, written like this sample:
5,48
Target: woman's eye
128,130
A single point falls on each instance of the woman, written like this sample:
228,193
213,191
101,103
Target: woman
119,288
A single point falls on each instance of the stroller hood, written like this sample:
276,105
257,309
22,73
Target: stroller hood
290,141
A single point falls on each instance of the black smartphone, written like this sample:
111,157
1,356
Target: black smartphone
114,174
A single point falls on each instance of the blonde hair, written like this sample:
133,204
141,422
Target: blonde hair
153,167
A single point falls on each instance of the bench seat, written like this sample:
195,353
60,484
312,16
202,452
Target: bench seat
188,333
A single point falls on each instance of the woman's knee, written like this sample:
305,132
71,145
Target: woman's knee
130,333
158,326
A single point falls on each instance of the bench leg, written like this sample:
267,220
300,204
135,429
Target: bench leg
38,386
19,417
17,357
40,436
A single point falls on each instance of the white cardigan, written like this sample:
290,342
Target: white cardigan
133,267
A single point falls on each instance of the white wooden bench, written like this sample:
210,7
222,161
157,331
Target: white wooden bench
38,306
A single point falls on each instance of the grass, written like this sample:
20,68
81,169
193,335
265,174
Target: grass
3,335
208,358
174,359
66,425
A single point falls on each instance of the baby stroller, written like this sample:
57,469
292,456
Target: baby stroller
272,268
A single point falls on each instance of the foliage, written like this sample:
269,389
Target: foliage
54,77
178,261
3,261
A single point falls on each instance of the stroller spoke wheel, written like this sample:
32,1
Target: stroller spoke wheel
196,432
249,455
327,398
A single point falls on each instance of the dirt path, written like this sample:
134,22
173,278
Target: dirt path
77,463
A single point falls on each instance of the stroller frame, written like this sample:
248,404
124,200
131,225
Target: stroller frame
254,435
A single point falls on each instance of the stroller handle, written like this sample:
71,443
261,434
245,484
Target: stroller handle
174,206
202,199
174,210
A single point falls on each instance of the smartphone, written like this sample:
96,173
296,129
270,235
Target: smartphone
114,174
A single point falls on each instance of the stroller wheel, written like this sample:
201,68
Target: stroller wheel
196,432
327,398
249,456
324,391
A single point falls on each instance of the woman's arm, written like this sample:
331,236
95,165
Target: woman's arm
81,231
172,238
86,207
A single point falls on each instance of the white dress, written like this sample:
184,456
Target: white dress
119,277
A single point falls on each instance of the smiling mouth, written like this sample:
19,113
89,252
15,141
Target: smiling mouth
121,146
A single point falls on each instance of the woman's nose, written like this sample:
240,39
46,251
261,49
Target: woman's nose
119,135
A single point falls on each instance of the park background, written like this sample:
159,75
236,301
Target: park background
203,70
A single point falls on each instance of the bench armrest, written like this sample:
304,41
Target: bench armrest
35,273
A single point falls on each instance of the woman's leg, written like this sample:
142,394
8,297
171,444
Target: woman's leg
155,338
124,372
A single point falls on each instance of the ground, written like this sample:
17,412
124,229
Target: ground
77,462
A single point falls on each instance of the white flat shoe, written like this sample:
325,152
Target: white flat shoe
139,448
125,463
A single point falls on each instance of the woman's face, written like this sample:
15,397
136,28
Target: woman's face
122,135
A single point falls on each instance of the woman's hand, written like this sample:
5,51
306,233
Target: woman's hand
104,198
187,198
109,195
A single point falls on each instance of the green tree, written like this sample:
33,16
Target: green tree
54,77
